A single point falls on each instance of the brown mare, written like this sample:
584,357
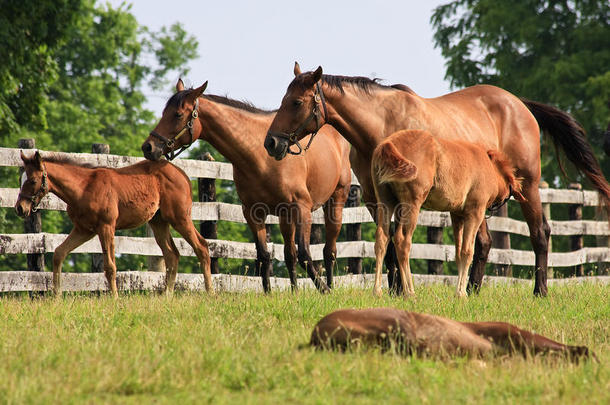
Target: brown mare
415,333
291,188
412,169
101,200
366,112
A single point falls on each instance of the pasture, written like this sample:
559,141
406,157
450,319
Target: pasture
244,348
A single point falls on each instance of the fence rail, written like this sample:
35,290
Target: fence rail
39,242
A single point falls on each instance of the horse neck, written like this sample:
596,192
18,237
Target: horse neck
365,119
67,181
237,134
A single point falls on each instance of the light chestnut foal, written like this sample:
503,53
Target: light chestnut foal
101,200
412,169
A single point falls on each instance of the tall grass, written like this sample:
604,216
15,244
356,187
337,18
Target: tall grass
244,348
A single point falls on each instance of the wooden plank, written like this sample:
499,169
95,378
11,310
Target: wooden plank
13,281
45,242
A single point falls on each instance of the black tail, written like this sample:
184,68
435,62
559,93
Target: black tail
569,135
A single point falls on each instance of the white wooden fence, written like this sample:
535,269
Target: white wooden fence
215,211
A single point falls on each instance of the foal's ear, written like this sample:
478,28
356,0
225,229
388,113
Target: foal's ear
38,160
180,85
24,158
317,74
297,69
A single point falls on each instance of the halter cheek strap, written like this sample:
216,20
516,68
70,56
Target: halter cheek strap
293,137
170,142
38,196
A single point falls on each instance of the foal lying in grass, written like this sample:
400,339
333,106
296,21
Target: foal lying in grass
412,169
101,200
415,333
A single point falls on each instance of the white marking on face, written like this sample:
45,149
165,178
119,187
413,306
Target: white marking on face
24,177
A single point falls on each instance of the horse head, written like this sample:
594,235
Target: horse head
302,112
34,185
178,127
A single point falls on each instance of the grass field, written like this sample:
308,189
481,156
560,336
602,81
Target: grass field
243,348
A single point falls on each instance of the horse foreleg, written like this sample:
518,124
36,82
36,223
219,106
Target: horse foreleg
303,232
482,246
76,238
106,236
287,228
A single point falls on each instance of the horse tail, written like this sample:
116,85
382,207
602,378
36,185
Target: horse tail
507,171
389,165
568,134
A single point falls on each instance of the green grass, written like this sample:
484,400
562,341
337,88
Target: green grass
244,348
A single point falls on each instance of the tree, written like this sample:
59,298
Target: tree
74,75
553,51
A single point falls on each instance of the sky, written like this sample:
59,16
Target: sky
248,48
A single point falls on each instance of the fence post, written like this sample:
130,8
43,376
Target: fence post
97,259
602,241
435,236
501,240
353,232
546,211
576,241
207,193
33,223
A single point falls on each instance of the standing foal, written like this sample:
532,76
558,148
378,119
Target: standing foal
101,200
412,169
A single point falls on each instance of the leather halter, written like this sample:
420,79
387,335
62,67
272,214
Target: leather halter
169,142
38,196
293,137
494,208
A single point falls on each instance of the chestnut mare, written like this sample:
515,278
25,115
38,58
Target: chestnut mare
101,200
415,333
366,112
413,169
291,188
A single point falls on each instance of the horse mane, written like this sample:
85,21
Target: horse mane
50,157
360,82
178,99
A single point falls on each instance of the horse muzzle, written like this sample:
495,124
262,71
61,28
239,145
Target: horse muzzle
151,151
276,147
23,209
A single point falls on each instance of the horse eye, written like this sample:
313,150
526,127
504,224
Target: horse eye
297,103
178,115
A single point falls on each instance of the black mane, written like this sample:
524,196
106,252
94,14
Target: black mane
178,99
363,83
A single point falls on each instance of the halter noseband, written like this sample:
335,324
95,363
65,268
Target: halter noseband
169,142
293,137
42,191
494,208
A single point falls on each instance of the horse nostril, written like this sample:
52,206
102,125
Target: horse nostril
146,147
19,210
270,144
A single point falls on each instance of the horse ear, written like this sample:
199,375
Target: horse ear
23,157
297,69
38,160
180,85
201,89
317,74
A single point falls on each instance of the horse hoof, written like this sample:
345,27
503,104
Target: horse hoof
377,292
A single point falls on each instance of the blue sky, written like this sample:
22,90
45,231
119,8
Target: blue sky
247,48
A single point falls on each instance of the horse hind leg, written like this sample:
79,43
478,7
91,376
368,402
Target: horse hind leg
303,233
540,232
186,228
256,223
287,228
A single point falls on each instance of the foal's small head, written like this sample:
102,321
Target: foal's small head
302,112
34,185
178,127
